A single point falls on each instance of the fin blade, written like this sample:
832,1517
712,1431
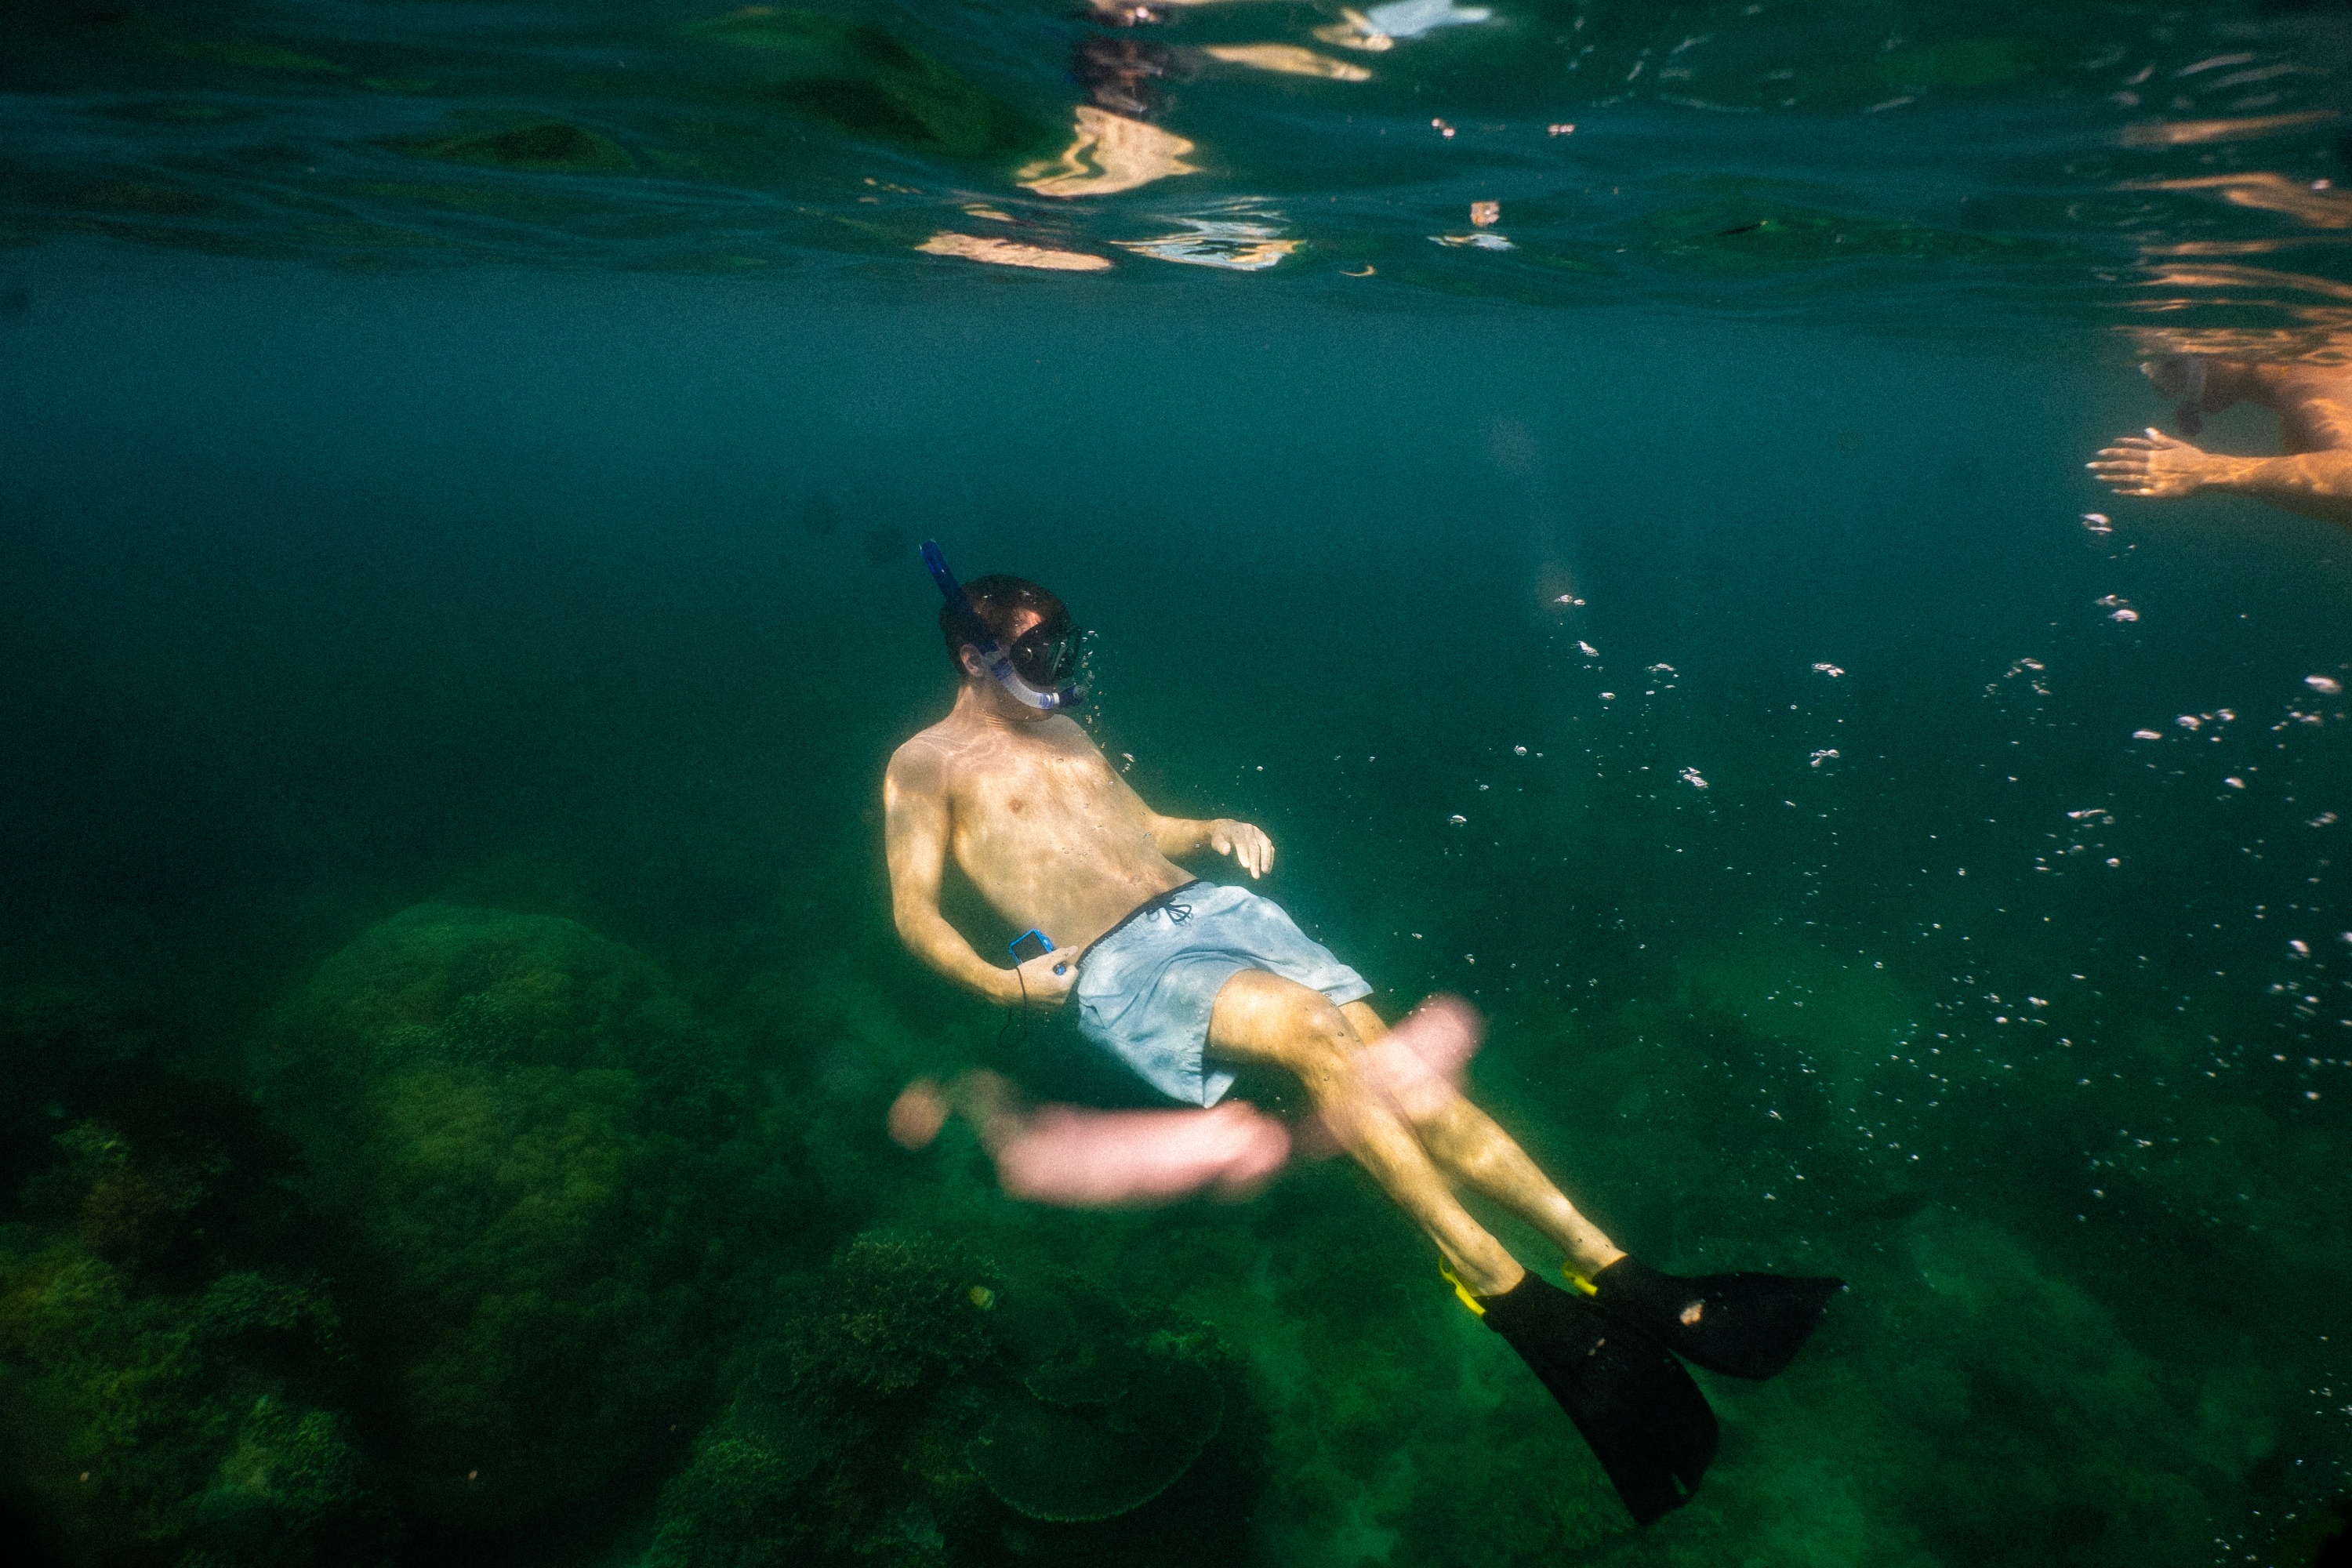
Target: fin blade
1637,1408
1743,1325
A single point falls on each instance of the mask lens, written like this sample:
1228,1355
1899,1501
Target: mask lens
1044,660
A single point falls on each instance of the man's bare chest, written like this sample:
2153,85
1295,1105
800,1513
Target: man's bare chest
1043,798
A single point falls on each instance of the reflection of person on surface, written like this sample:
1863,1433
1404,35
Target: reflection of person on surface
1186,980
2313,475
1114,145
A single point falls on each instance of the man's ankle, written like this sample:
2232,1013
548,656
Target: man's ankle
1500,1280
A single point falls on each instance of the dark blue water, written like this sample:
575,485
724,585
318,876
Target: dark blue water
459,594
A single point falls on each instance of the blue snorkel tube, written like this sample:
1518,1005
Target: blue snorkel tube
973,630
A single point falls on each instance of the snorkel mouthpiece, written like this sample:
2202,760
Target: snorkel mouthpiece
973,629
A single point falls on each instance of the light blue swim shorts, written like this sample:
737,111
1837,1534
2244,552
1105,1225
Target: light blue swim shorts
1146,987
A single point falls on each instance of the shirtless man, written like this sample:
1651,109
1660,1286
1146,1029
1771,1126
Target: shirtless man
1186,981
2313,476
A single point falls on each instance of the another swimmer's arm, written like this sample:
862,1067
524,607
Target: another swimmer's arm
2158,467
2292,482
1176,836
914,842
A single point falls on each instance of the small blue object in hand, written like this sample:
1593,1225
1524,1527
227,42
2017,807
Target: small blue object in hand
1031,944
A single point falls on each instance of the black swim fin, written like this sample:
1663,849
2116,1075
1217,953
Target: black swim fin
1747,1325
1644,1417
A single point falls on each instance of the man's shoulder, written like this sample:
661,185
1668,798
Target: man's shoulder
936,753
925,749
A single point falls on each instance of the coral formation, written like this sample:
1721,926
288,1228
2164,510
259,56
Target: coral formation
151,1418
543,1168
1101,1435
926,1407
842,1441
897,1318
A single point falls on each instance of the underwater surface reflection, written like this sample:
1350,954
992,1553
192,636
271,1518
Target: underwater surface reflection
1873,162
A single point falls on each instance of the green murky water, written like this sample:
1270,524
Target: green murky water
463,470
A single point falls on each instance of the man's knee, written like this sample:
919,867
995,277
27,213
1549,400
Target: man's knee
1293,1025
1313,1014
1318,1046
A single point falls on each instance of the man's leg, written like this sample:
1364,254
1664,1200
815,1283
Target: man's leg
1467,1145
1262,1017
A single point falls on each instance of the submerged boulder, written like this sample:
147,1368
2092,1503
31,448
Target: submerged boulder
524,1140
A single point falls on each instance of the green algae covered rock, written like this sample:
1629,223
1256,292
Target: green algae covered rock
154,1409
530,1150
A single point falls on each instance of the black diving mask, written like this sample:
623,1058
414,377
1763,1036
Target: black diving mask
1046,656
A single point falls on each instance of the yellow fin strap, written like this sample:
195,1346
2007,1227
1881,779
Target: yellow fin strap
1461,1289
1579,1282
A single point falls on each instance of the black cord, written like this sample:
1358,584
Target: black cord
1020,1017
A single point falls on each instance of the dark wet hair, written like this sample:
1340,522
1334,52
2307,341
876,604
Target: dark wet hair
996,599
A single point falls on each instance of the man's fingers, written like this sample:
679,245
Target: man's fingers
1047,978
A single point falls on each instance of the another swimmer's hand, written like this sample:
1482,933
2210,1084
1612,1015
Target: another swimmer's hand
2154,466
1252,850
1043,982
918,1113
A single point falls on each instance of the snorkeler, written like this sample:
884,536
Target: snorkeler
2313,475
1186,981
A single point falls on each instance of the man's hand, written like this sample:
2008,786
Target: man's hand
1252,850
2153,465
1044,982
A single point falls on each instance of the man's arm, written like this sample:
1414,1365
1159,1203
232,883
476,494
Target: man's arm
1176,836
2317,484
916,823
